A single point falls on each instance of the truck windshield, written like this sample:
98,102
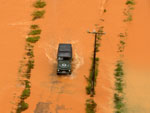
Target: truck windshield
63,58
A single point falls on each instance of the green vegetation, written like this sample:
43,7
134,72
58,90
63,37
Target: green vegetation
128,12
90,106
122,42
119,85
90,80
30,53
28,60
33,39
129,17
25,93
39,4
130,2
105,10
38,14
30,66
34,26
22,106
35,32
89,88
27,84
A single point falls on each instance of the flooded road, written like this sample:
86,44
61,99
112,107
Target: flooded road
14,23
64,22
137,58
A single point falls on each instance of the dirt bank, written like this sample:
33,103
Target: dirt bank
137,60
65,21
14,22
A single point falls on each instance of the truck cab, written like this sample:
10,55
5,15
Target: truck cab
64,59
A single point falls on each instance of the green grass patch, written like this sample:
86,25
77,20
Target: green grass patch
34,26
105,10
30,66
25,93
118,100
33,39
90,106
130,2
89,87
90,79
38,14
22,106
30,53
27,75
39,4
129,18
119,85
27,84
35,32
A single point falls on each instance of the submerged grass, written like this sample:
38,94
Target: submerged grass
38,14
90,80
22,106
128,12
119,85
89,87
28,65
35,32
34,26
33,39
25,93
130,2
90,106
39,4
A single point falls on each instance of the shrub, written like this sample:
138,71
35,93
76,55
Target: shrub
130,2
30,53
118,101
105,10
129,18
33,39
21,107
39,4
27,84
27,75
90,106
38,14
34,26
30,65
35,32
119,87
25,93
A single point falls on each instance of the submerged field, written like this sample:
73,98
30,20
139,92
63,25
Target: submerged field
67,22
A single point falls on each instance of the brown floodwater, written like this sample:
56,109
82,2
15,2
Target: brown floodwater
137,60
64,22
113,25
14,23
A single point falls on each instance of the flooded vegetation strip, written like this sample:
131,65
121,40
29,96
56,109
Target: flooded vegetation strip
119,85
119,94
91,79
128,11
28,61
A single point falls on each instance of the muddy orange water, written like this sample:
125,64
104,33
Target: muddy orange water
137,58
14,23
113,25
65,22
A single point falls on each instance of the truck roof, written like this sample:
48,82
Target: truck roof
65,50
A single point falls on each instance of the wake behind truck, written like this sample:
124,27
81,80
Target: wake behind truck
64,59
